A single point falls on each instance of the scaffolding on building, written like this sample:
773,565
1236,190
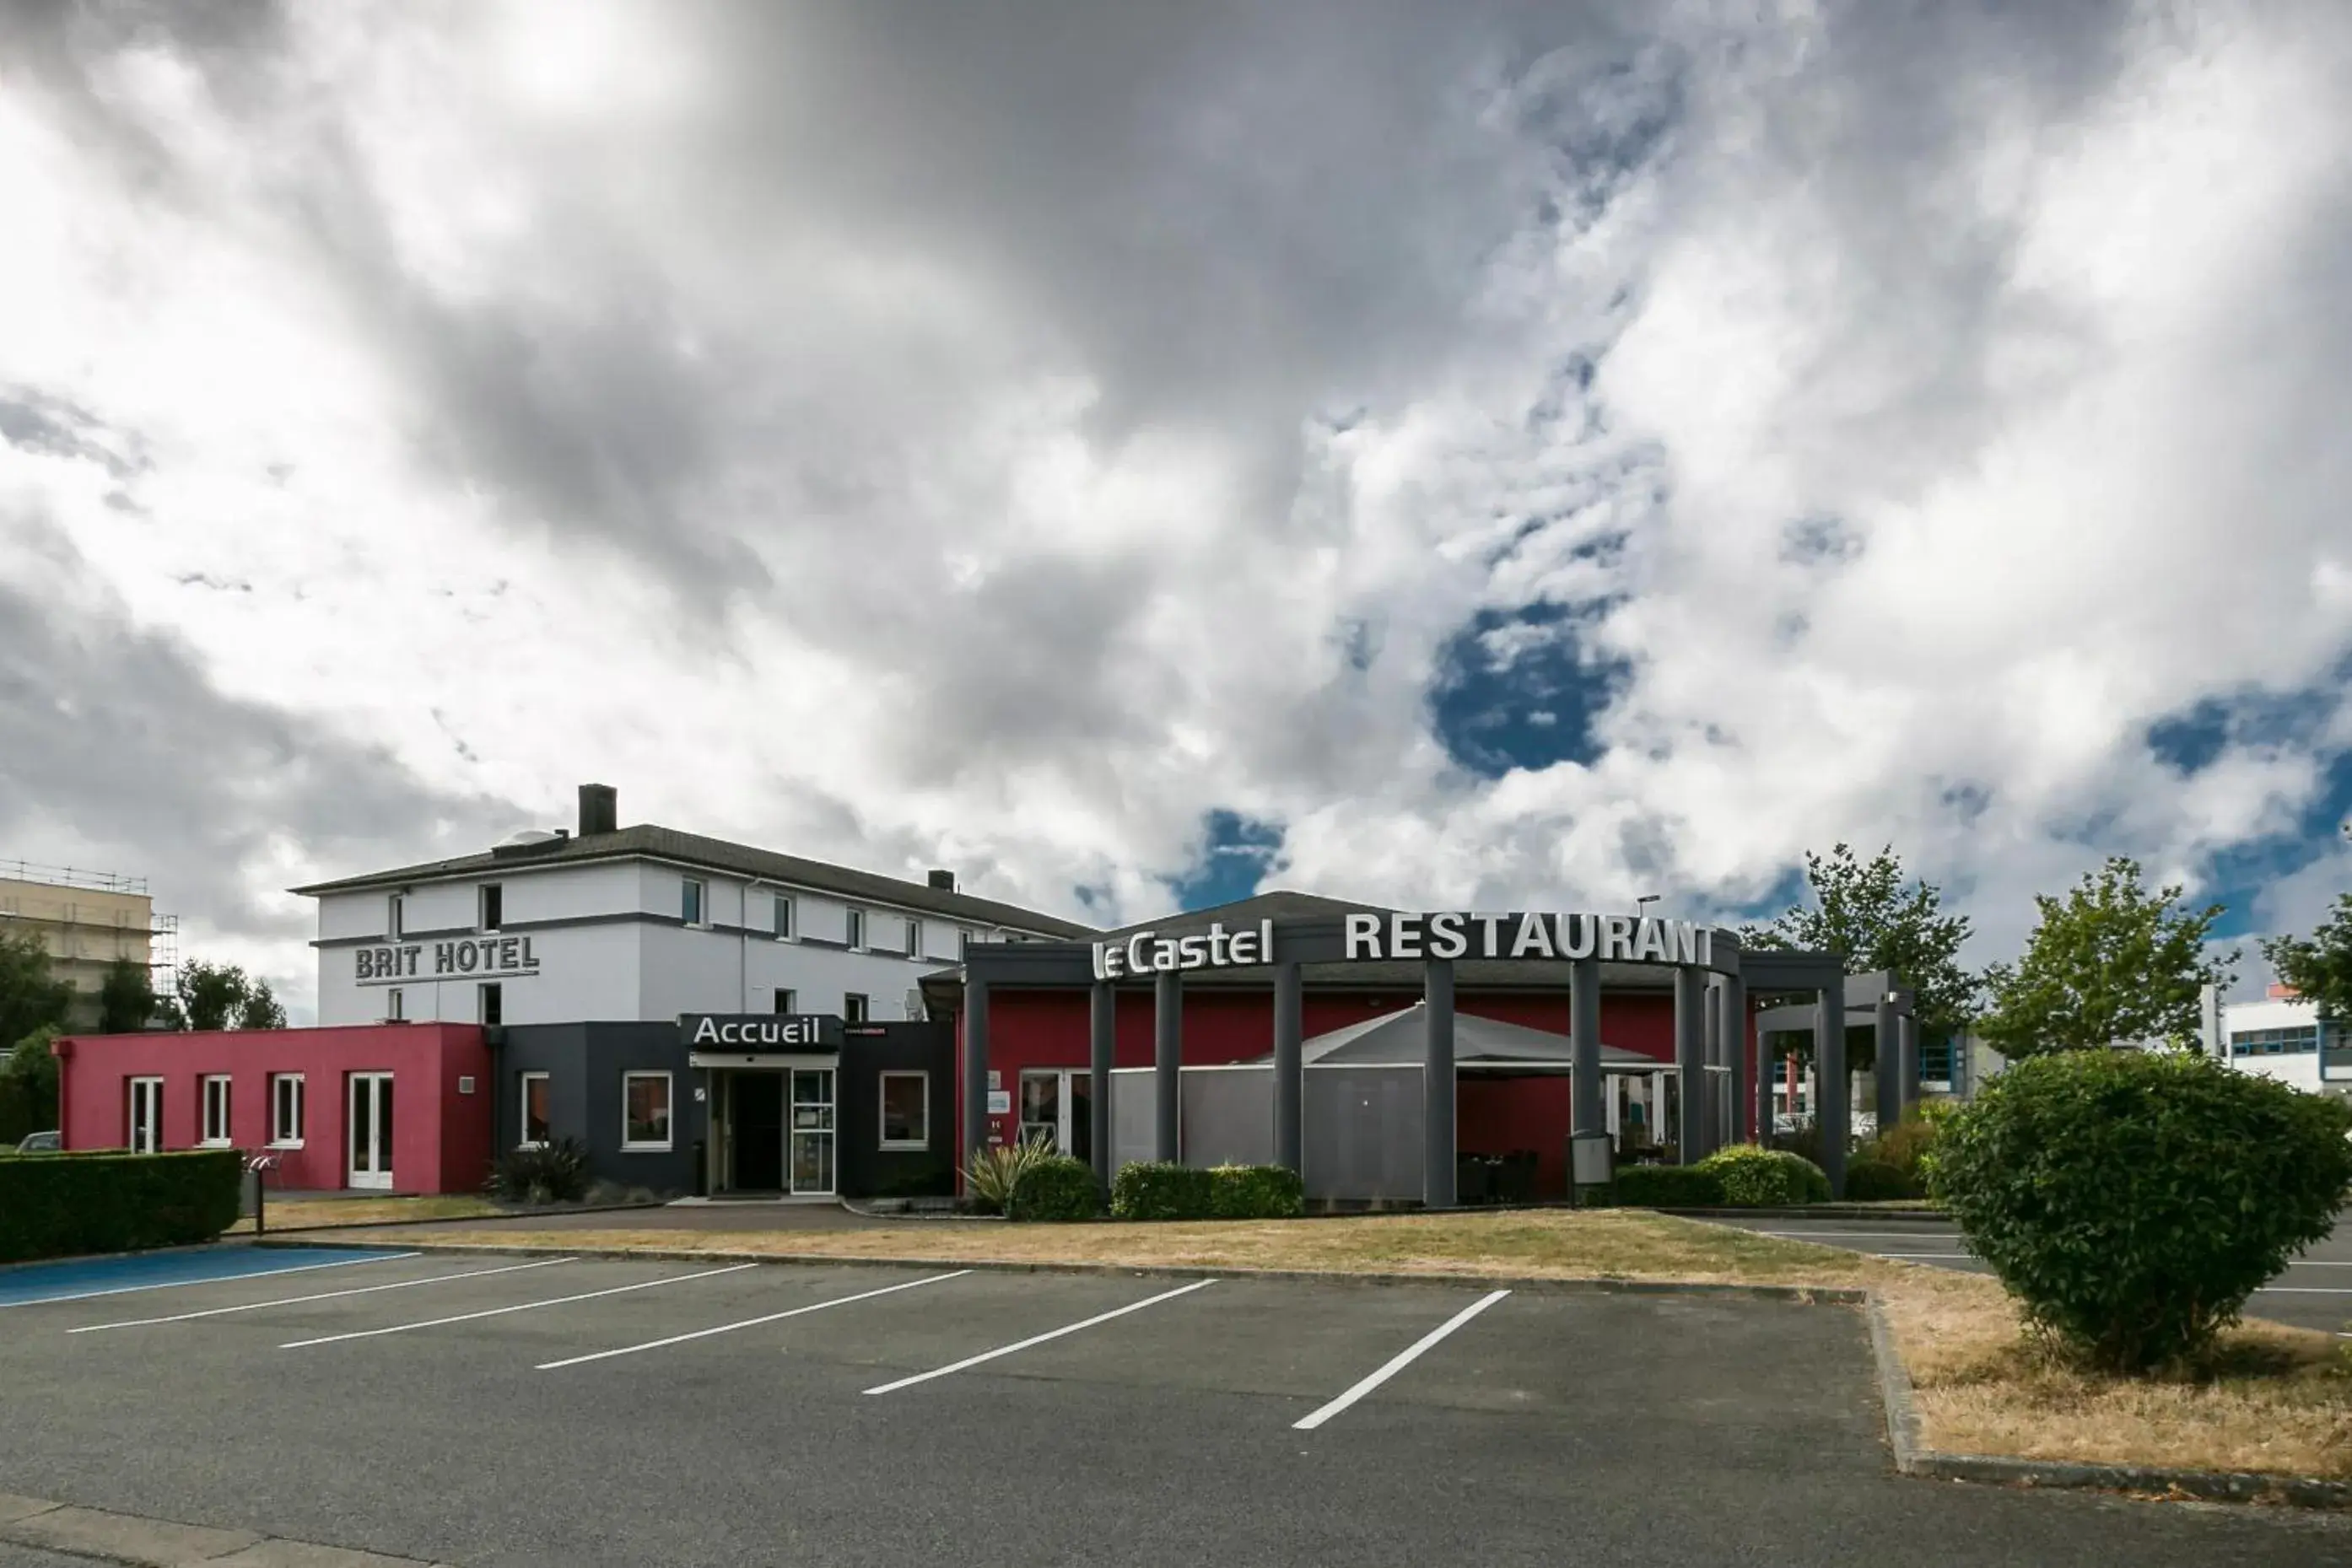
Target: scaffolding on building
70,876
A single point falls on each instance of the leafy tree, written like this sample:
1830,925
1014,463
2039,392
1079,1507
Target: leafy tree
1864,911
2110,962
2321,967
30,996
221,995
126,999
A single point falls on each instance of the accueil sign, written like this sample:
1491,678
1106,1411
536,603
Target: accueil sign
1612,939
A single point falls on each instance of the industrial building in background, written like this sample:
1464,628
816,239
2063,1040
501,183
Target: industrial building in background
90,921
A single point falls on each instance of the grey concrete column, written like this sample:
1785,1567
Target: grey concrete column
1588,1115
1718,1105
975,1065
1835,1090
1886,1078
1690,1065
1167,1063
1735,1042
1907,1047
1437,1085
1102,1055
1289,1071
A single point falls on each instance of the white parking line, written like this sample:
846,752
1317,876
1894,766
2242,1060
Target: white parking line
518,1307
2305,1290
319,1296
751,1322
208,1280
1398,1361
1041,1339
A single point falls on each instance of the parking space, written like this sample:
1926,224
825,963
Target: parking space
2315,1291
501,1409
143,1273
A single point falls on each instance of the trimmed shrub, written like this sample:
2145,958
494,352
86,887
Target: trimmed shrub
1161,1189
996,1170
1256,1192
1874,1180
1054,1188
2132,1200
1765,1178
1666,1186
1908,1146
57,1206
553,1172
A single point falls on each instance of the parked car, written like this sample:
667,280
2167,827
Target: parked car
39,1143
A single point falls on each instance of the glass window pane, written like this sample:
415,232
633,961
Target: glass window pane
648,1109
904,1111
534,1108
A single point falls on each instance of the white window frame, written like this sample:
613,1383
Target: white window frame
132,1129
523,1139
669,1115
787,918
700,920
883,1095
854,929
861,1012
279,1138
483,897
224,1137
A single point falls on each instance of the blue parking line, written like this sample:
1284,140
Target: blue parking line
75,1280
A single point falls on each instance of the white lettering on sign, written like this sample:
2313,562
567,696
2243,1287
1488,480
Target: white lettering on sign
757,1032
493,958
1444,935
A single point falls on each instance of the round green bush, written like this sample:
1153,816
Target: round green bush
2132,1200
1256,1192
1054,1188
1665,1186
1875,1180
1754,1177
1161,1189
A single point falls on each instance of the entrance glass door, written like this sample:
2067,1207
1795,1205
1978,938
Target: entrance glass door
812,1129
370,1124
1057,1109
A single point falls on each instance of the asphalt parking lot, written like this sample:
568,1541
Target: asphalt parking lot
2314,1291
488,1409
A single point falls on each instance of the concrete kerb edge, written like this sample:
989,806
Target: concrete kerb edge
1913,1458
1566,1284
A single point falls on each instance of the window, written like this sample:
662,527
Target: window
784,927
905,1110
217,1110
785,1000
2275,1041
395,1005
691,899
644,1110
853,1009
286,1110
535,1109
396,914
494,903
146,1118
858,928
494,1003
914,937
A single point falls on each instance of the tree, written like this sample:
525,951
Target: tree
1864,912
220,995
30,1075
2109,963
30,996
2321,967
126,999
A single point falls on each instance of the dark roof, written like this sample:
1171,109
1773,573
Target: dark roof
718,854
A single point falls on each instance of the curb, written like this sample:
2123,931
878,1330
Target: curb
1815,1211
1563,1285
1912,1457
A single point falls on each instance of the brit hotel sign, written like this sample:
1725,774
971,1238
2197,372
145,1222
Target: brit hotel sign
1371,937
469,958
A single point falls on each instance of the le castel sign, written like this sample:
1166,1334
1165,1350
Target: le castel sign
1370,937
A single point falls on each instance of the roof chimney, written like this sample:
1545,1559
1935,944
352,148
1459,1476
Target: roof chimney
599,810
944,881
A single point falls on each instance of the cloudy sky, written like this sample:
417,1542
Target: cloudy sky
1460,455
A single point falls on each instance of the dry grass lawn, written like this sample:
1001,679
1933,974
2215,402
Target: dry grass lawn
315,1214
2283,1401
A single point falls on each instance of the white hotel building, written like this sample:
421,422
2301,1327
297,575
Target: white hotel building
2283,1037
643,923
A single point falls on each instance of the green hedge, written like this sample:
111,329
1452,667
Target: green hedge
1054,1188
1160,1189
1666,1186
1256,1192
1877,1180
1765,1178
57,1207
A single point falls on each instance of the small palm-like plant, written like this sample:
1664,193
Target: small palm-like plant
995,1171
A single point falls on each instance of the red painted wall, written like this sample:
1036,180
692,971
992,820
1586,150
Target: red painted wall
440,1138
